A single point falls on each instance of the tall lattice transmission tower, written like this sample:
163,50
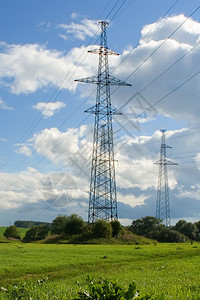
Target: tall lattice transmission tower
102,199
162,204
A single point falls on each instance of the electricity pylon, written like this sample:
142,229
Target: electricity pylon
162,204
102,199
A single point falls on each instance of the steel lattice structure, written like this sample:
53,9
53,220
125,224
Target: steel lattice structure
102,199
162,204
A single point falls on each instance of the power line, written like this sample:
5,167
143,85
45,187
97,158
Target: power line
61,87
160,100
168,68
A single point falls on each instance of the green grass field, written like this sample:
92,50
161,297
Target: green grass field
171,269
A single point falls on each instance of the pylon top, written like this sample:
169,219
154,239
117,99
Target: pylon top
104,23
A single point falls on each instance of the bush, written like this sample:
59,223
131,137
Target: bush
74,225
12,231
116,227
102,229
67,225
145,226
59,224
36,233
188,229
171,236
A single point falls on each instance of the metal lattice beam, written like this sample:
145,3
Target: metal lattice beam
103,200
162,204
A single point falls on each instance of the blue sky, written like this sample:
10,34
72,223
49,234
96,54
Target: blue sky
45,136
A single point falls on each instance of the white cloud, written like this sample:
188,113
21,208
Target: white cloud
56,145
188,33
131,199
135,153
44,26
182,104
80,31
3,139
136,177
27,68
24,187
74,15
24,195
22,149
4,106
48,109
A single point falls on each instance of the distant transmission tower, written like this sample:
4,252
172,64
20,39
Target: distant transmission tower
102,199
162,205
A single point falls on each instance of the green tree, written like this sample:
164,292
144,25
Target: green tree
74,225
42,232
102,229
167,235
198,233
198,226
116,227
36,233
146,226
12,231
179,225
187,228
59,224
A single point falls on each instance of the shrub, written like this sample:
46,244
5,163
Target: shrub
74,225
36,233
102,229
58,224
12,231
116,227
188,229
145,226
171,236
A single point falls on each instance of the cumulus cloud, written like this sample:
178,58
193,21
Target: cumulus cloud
23,149
30,196
136,176
153,56
135,151
80,30
48,109
4,106
188,33
24,187
27,68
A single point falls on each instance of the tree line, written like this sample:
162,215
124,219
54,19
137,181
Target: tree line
64,227
153,228
29,224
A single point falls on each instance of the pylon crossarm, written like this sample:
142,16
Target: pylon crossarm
98,110
115,81
104,51
109,80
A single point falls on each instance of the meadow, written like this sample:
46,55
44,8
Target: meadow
58,271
